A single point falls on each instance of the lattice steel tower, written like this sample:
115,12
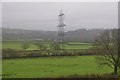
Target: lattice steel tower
61,27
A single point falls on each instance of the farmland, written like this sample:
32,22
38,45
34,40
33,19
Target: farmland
17,45
52,67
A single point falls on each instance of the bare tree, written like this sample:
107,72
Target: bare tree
41,47
25,46
55,46
107,45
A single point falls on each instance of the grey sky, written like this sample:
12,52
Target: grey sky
43,16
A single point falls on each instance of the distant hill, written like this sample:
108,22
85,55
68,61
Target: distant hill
80,35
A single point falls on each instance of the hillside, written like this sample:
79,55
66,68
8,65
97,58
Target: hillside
80,35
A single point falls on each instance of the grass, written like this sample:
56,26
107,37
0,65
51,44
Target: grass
17,45
51,67
79,46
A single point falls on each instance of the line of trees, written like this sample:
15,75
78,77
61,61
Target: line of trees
54,49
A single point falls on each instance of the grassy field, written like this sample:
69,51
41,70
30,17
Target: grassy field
17,45
51,67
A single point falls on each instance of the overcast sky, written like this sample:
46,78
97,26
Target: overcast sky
44,15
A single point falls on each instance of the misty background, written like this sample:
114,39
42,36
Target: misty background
44,15
39,20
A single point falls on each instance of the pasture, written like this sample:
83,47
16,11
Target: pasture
46,67
17,45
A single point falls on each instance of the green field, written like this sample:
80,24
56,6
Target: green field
51,67
17,45
43,67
